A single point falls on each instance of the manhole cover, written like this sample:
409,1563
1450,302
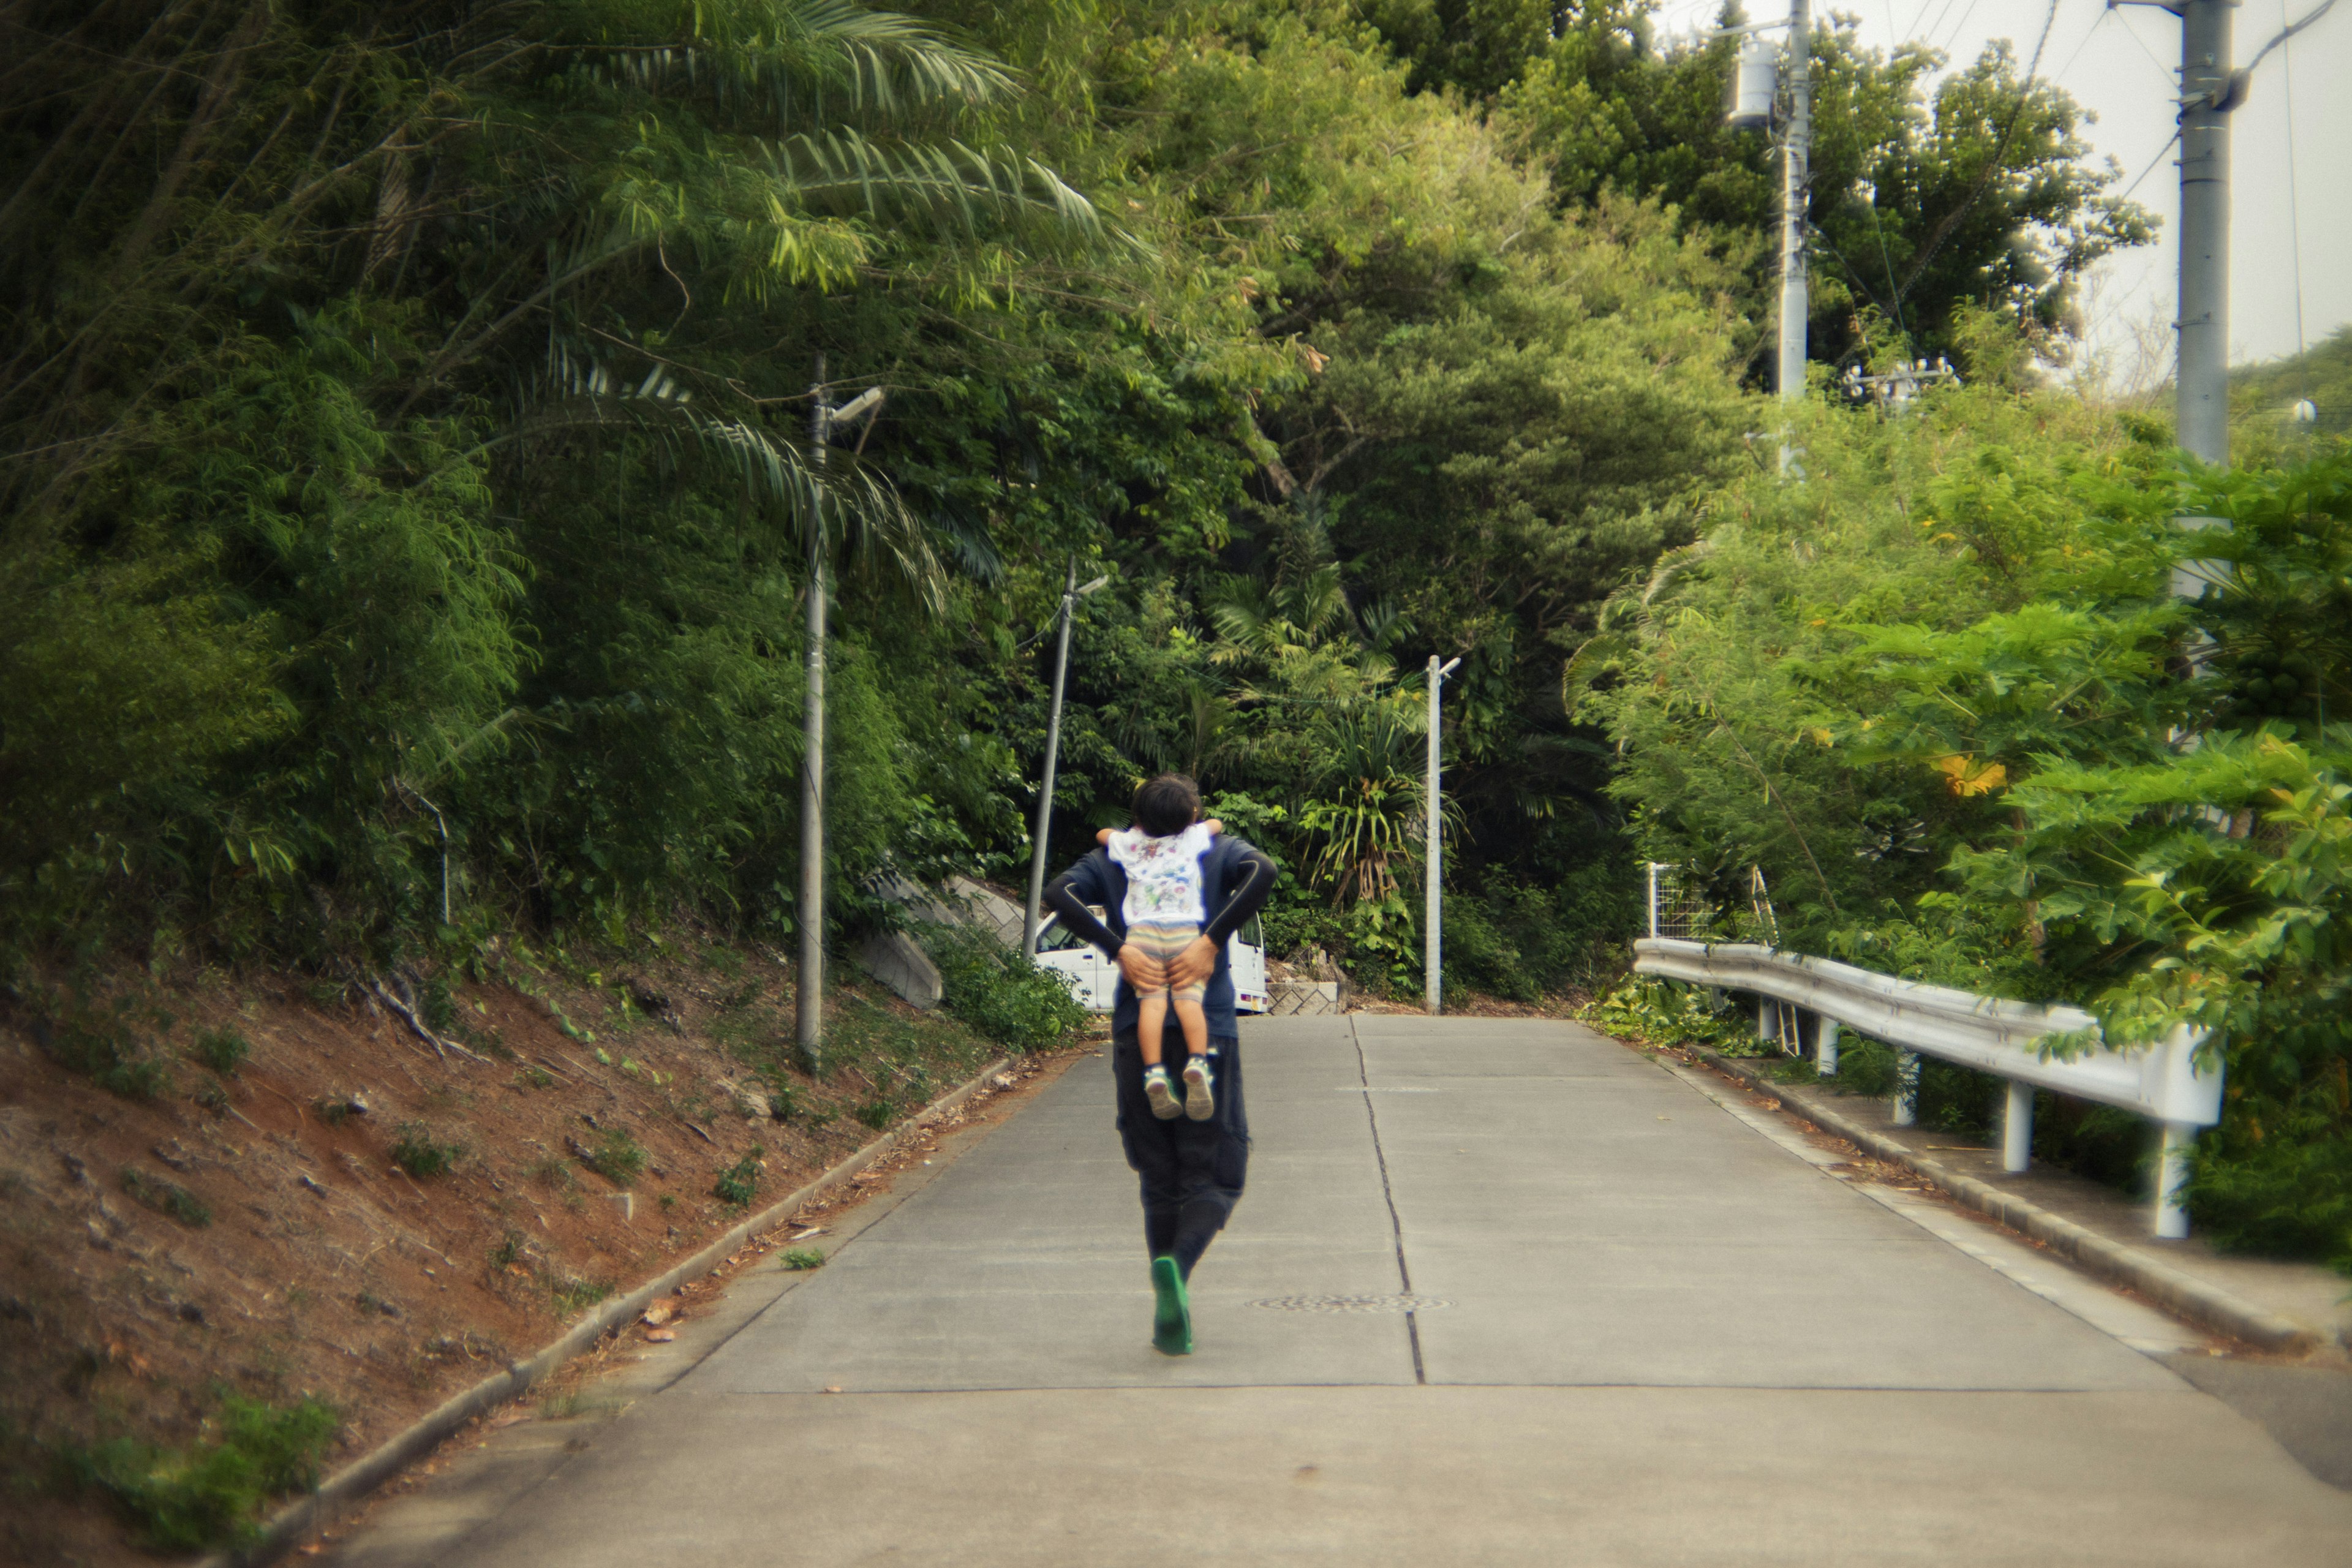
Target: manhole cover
1352,1303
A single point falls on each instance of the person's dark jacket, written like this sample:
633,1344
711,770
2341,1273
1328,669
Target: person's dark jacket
1235,878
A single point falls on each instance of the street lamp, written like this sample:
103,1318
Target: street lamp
1433,982
808,992
1071,593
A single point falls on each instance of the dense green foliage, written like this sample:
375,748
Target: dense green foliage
1940,695
210,1492
408,529
1003,997
1978,192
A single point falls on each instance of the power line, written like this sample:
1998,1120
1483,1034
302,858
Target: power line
2162,69
2318,11
1960,25
1935,26
2294,209
2060,73
2152,162
1993,165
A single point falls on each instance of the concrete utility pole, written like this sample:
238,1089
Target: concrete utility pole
1796,185
808,994
1749,105
1030,919
2209,90
1432,984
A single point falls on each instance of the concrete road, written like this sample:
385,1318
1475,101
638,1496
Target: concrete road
1501,1292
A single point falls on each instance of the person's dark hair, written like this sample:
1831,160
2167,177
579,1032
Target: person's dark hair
1168,804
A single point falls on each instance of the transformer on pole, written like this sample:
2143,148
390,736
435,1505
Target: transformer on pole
1749,101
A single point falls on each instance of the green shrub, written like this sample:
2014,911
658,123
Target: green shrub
1001,995
878,1112
167,1198
617,1157
739,1184
101,1045
572,1293
783,1094
223,1050
801,1258
1478,954
1865,1066
415,1150
2276,1177
1664,1013
209,1493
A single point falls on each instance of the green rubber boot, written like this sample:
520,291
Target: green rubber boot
1171,1314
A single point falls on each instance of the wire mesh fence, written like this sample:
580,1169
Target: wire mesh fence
1688,905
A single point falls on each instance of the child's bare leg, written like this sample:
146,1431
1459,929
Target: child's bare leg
1150,1024
1195,1025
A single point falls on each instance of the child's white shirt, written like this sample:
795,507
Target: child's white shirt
1163,875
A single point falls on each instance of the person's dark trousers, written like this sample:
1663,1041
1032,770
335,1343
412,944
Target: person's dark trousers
1191,1172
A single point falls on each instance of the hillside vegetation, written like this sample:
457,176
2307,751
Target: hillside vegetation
412,496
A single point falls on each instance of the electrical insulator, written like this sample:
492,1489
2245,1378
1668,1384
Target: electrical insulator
1747,101
2306,412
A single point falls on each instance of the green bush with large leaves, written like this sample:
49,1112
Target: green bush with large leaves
1941,693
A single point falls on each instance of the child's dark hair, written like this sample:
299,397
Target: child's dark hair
1168,804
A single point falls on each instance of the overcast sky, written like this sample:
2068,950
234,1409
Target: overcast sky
2120,65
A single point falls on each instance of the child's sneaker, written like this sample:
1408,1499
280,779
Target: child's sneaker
1200,1100
1161,1092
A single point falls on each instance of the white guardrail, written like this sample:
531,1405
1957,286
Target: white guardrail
2003,1038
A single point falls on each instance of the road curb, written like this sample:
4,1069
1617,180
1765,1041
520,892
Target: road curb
2184,1294
352,1483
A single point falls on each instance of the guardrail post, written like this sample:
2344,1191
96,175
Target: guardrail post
2171,1170
1767,1019
1826,1044
2017,1128
1907,1087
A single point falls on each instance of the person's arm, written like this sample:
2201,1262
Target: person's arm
1069,895
1252,884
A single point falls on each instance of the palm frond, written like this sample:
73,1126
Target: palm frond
946,186
804,60
851,505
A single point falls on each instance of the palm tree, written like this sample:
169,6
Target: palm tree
597,203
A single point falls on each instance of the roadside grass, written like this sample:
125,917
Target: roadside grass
209,1492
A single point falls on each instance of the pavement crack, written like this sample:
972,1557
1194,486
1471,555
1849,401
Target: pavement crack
1387,1195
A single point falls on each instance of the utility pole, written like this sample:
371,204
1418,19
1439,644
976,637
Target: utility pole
1071,594
2210,91
1796,185
808,995
1432,984
1749,105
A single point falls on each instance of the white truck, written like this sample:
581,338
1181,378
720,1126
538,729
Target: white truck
1093,976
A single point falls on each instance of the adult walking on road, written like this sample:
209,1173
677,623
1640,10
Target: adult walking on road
1191,1168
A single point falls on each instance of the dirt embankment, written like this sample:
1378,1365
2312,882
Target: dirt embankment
355,1214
